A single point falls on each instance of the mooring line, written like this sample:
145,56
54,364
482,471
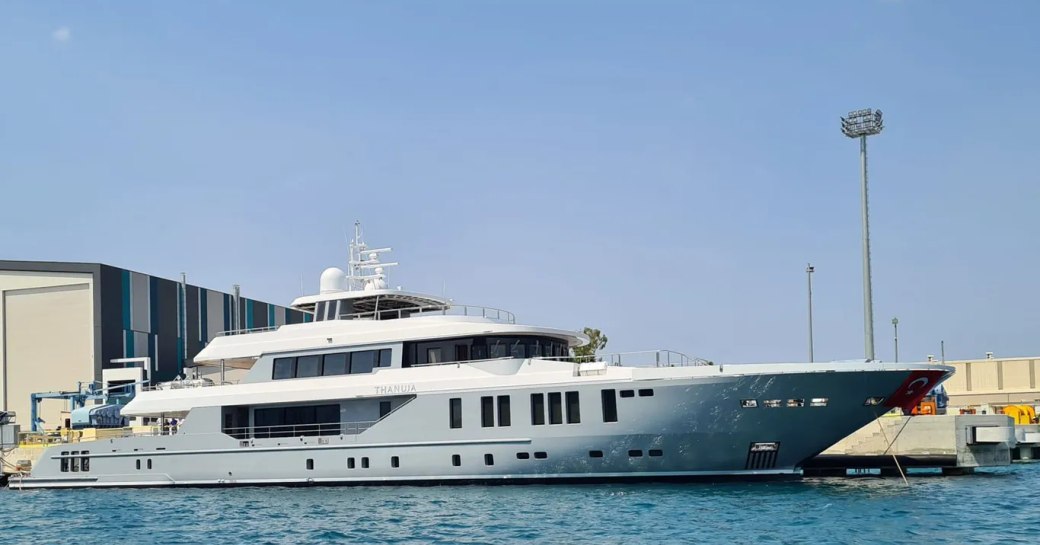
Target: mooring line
892,442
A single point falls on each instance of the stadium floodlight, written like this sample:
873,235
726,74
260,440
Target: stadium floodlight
861,124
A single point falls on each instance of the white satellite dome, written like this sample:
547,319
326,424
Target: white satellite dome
333,279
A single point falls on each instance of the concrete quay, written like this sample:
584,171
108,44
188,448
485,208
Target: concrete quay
955,444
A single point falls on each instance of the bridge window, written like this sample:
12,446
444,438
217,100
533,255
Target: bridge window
340,363
362,362
481,348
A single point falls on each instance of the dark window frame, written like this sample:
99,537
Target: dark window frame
505,418
487,411
608,400
537,409
455,413
573,406
555,408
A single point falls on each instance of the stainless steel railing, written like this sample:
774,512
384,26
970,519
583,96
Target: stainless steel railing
489,313
645,358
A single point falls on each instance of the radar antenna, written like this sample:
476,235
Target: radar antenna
366,271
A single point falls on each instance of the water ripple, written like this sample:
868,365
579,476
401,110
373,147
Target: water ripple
993,506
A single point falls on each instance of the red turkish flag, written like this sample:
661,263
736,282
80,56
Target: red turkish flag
914,388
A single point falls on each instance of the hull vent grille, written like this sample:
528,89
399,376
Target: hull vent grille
762,456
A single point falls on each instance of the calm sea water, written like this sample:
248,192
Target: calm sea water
997,506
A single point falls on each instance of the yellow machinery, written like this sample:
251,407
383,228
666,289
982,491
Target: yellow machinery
1021,414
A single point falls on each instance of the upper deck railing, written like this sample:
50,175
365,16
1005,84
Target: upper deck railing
489,313
645,358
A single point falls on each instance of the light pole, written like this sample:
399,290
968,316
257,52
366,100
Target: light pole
895,332
861,124
809,269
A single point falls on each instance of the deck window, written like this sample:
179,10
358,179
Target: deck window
487,412
336,364
64,462
284,368
75,461
555,408
455,412
308,366
433,355
384,408
573,408
383,357
362,362
504,418
537,409
609,399
85,464
295,421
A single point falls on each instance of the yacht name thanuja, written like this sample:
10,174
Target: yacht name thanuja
387,386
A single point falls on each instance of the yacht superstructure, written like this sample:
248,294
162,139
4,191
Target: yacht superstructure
389,386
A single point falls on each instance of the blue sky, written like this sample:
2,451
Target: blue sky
660,170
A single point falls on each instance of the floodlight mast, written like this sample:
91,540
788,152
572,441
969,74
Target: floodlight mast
861,124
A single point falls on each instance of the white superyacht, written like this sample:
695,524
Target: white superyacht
390,387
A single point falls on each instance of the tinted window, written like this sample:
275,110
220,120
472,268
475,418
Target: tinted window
364,462
595,454
518,349
395,461
487,412
573,408
541,455
461,352
537,409
503,411
336,364
75,461
433,355
350,463
86,460
489,460
384,408
555,408
308,366
319,311
627,393
362,362
646,392
284,368
523,455
635,453
456,460
455,412
609,405
656,452
496,349
384,358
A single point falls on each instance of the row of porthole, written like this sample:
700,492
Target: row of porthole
395,462
777,403
634,453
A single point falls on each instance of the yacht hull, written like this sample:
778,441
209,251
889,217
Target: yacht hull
670,426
